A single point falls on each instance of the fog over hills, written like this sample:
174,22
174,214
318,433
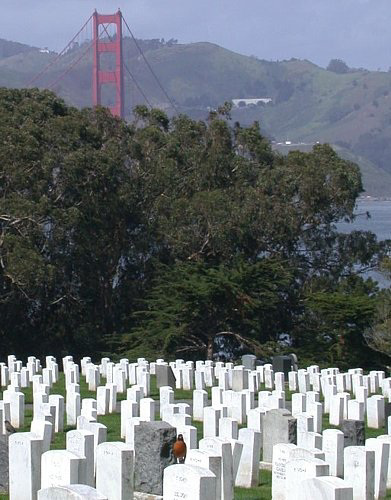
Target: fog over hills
356,31
350,108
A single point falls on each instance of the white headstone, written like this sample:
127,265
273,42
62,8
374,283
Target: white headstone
200,401
72,407
43,430
248,471
299,469
25,451
382,453
207,460
387,439
211,421
147,409
325,488
58,468
70,492
59,403
375,412
281,455
103,399
223,449
333,446
188,482
114,471
129,409
359,471
81,443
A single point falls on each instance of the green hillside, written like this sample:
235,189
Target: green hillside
350,110
8,48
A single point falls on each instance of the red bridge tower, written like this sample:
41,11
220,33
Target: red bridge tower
116,77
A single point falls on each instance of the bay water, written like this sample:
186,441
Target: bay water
375,216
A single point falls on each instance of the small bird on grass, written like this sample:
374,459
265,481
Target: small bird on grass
179,449
9,427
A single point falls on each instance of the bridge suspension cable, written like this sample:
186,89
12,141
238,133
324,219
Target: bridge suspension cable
93,41
131,75
150,67
71,66
64,50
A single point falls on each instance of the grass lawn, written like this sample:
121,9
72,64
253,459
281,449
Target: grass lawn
263,491
113,424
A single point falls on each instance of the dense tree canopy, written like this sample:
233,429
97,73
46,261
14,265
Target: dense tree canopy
165,234
338,66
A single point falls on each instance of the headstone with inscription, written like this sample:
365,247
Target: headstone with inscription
188,482
359,471
299,469
81,443
281,455
59,468
114,471
207,460
25,450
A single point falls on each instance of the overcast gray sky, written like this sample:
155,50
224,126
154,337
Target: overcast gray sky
357,31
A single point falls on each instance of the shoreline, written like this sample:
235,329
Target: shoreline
373,198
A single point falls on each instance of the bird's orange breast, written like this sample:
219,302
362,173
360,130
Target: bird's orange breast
179,449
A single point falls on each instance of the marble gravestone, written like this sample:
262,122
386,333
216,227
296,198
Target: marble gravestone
189,482
70,492
3,464
359,471
278,427
354,433
153,442
164,376
282,364
25,450
114,470
300,469
326,488
248,361
207,460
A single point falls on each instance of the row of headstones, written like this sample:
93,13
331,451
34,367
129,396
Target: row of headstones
336,473
297,473
72,380
224,420
15,377
238,371
333,386
209,472
117,376
106,395
239,406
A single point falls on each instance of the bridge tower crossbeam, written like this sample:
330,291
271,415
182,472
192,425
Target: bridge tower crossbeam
116,77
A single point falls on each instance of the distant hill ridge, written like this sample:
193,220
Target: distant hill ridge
9,49
351,110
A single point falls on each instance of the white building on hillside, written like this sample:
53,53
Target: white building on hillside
241,103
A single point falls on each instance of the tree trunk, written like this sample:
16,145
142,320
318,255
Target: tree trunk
209,353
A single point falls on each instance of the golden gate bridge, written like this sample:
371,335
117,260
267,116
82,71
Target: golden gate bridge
106,37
